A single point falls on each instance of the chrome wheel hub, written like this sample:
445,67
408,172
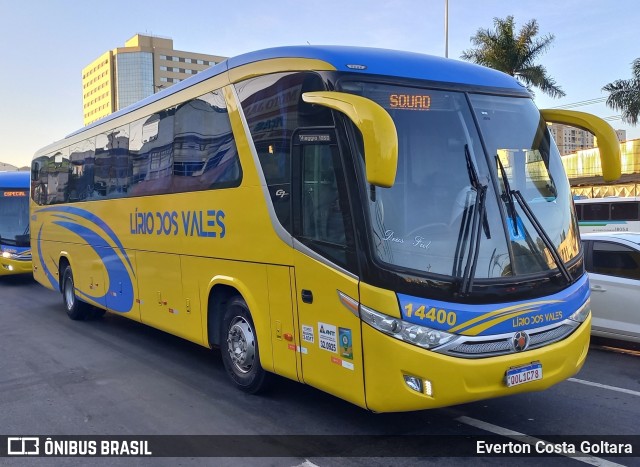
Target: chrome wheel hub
241,344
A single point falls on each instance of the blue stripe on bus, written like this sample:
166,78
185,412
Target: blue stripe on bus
492,319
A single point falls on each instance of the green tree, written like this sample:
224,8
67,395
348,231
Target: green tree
624,95
515,55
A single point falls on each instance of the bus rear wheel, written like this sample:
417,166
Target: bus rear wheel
239,347
76,309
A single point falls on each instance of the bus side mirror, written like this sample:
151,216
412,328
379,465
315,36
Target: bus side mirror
607,140
377,128
35,171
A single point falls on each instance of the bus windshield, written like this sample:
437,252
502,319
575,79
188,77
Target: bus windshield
14,217
462,159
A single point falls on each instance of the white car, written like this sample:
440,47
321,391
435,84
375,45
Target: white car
612,260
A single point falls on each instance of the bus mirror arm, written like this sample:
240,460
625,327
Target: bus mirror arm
377,128
607,140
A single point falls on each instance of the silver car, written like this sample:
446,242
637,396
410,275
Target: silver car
613,262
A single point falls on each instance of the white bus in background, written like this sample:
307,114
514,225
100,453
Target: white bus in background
612,214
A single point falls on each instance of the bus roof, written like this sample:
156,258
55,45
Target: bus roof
389,62
15,179
354,60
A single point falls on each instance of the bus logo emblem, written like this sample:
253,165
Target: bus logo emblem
520,341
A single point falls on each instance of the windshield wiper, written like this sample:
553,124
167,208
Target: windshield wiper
8,241
543,235
508,196
471,227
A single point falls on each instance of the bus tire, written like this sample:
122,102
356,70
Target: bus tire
76,309
239,348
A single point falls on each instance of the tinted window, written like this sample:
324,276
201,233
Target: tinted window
625,211
81,162
205,153
152,154
595,211
111,164
40,179
58,177
615,260
321,208
185,148
274,109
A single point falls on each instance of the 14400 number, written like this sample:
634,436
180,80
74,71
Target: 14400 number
434,315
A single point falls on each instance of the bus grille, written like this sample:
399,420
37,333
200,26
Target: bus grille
475,347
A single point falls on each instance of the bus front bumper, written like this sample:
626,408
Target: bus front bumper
454,380
11,266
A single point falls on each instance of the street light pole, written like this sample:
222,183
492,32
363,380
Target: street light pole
446,28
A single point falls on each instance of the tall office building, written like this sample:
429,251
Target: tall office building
123,76
570,139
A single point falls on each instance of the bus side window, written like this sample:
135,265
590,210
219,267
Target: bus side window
627,211
595,211
40,180
322,217
321,213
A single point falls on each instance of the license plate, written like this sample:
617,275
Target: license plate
524,374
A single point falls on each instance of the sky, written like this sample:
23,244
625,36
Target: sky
45,44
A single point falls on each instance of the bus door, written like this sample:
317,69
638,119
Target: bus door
325,287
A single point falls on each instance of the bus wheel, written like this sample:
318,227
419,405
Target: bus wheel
239,347
76,308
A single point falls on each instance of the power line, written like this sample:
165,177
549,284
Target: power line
596,100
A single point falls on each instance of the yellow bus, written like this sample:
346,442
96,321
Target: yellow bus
392,228
15,253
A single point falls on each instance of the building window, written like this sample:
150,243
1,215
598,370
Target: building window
134,71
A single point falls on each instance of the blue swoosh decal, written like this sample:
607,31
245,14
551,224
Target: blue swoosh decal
120,295
51,277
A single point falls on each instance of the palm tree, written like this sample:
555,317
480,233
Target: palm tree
515,55
624,95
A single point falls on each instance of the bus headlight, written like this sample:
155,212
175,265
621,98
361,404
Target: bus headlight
415,334
6,254
581,314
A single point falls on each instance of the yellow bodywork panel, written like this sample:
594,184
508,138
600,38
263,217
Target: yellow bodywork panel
381,300
10,266
458,380
607,139
277,65
378,131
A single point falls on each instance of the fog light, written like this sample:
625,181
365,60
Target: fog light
413,382
428,390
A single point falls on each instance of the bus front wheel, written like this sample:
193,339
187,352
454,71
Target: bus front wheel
76,308
239,347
